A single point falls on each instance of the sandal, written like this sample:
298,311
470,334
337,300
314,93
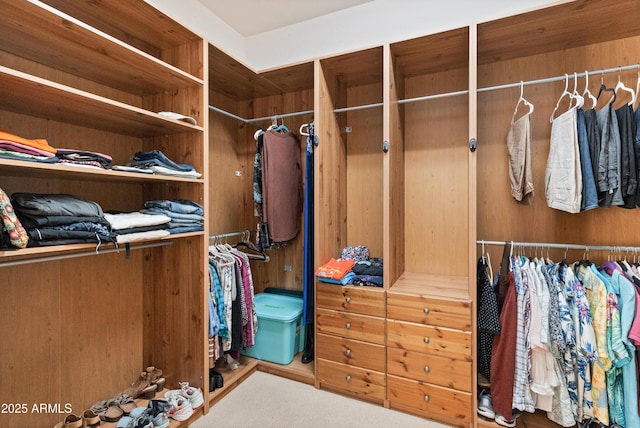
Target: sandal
90,419
125,402
155,376
113,413
142,386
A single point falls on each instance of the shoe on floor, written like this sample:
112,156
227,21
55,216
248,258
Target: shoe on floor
193,394
484,404
181,408
501,420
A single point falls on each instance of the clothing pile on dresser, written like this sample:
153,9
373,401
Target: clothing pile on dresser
354,267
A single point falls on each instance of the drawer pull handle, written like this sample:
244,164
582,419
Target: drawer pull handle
426,340
426,398
427,369
347,299
347,326
348,378
347,352
426,311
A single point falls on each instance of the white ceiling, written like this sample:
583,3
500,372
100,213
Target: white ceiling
251,17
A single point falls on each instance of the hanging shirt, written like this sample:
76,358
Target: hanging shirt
488,319
596,293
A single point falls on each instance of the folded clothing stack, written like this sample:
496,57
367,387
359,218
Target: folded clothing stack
18,148
84,158
136,226
185,216
336,272
59,219
158,163
368,272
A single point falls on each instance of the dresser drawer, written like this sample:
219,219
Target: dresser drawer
429,311
354,352
359,382
438,341
352,326
360,300
430,401
442,371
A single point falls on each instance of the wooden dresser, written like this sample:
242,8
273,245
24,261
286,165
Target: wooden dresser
429,358
350,346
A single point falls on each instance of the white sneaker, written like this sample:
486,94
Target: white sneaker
181,408
501,420
194,394
484,404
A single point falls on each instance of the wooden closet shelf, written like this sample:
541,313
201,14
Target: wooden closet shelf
35,254
75,47
43,170
27,94
449,287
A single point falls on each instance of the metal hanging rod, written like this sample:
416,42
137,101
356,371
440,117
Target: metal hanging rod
517,84
278,116
362,107
433,97
83,254
259,119
230,235
560,246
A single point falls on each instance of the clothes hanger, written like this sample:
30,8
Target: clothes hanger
603,88
282,127
303,126
587,93
565,92
621,85
524,101
246,243
575,95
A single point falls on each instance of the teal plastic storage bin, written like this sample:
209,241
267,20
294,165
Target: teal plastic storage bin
280,334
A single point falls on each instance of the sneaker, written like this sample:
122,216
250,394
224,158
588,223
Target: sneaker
501,420
161,420
484,404
194,394
181,409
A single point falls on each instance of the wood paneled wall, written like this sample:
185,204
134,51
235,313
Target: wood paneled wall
499,216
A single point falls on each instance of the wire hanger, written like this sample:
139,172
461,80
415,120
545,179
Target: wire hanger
587,93
565,92
524,101
621,85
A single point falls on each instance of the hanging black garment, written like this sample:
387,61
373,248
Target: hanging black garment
488,319
628,173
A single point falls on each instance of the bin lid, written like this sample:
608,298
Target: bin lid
278,307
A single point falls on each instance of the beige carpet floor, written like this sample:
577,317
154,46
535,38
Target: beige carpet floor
268,401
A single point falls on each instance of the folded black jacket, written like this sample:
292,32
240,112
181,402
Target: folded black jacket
32,222
54,205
